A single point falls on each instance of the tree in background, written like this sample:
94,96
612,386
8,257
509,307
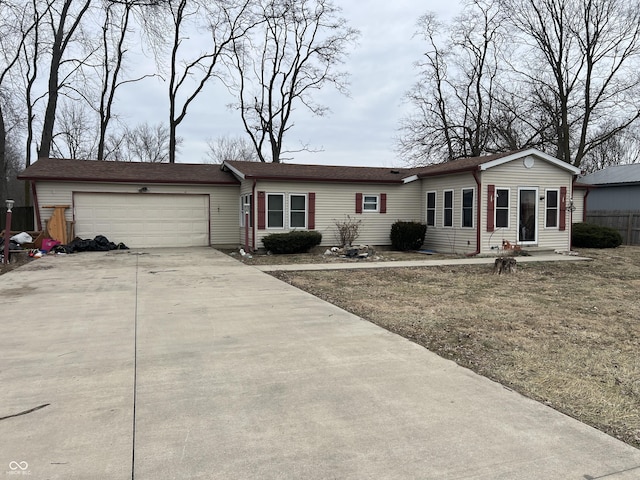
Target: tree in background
567,81
231,148
292,53
456,94
225,21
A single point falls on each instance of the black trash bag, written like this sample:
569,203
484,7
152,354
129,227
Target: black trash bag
99,244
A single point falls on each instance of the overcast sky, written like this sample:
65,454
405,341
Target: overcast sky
360,129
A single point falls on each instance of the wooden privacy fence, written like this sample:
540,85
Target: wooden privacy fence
21,218
627,223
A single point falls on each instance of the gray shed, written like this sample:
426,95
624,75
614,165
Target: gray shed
614,200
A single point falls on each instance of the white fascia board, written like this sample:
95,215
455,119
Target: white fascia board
235,171
537,153
410,179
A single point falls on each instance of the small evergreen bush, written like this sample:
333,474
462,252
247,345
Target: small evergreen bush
292,242
588,235
407,235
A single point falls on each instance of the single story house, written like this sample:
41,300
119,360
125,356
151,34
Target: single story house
470,205
612,199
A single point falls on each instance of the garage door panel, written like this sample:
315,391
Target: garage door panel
143,220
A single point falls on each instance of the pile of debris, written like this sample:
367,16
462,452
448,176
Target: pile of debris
359,252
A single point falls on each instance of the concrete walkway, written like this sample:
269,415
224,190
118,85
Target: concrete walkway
188,364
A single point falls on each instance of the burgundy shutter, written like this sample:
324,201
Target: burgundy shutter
312,211
261,211
383,203
358,203
563,208
491,201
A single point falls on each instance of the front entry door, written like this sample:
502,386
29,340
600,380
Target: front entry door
528,215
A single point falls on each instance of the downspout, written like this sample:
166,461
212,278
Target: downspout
36,206
478,213
253,213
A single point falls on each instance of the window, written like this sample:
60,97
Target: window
370,203
275,210
502,208
297,211
246,205
551,217
467,207
447,209
431,209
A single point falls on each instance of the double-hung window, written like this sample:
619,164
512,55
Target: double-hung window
467,207
431,209
447,209
370,203
552,210
275,210
297,211
502,208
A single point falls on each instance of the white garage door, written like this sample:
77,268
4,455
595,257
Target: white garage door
143,220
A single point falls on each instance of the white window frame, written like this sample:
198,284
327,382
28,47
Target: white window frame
305,211
434,209
535,215
284,209
445,208
507,208
462,207
557,208
364,202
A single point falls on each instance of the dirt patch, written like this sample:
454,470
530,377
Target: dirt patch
17,260
566,333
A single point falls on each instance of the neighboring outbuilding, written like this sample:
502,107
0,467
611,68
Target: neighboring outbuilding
471,206
612,199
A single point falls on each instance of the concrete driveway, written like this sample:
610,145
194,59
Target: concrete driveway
187,364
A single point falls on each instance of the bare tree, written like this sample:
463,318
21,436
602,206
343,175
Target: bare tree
226,21
145,143
64,23
231,148
455,96
295,52
76,133
591,51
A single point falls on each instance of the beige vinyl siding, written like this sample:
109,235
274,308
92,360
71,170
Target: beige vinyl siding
223,202
334,201
454,239
514,175
578,203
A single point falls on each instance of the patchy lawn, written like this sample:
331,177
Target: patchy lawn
566,333
319,257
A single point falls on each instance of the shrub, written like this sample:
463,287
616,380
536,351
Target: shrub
588,235
347,231
292,242
407,235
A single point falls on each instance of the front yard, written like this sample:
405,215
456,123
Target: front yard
566,333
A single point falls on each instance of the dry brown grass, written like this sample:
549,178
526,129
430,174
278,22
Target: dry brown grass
566,333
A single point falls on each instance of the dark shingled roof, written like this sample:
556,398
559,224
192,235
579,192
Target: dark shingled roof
460,165
328,173
57,169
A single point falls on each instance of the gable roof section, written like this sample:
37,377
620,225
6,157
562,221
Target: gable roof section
614,175
486,162
56,169
314,173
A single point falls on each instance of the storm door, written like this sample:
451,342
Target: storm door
528,215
